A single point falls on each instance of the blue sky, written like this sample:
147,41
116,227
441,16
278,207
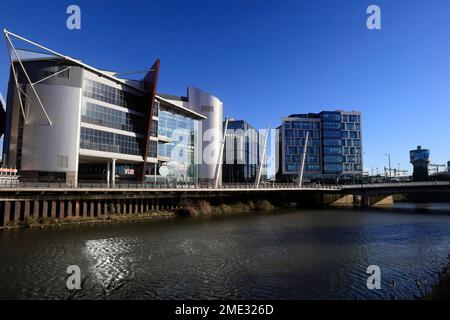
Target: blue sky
269,59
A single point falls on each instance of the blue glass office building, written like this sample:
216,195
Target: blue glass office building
242,153
334,152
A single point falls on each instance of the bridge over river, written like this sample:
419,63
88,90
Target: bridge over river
40,201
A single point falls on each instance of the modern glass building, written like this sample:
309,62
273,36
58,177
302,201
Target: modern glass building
242,153
334,152
75,123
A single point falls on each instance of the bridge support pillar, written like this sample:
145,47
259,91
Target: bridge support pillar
69,209
61,210
53,213
44,210
338,200
36,210
377,201
6,213
27,209
18,207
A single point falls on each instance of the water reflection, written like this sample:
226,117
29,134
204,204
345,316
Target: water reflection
113,262
314,254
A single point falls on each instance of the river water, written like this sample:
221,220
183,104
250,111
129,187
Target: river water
292,254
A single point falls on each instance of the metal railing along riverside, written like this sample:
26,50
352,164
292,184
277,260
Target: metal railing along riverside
397,185
166,186
15,184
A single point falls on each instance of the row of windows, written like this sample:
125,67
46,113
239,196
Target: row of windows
98,140
312,159
304,125
351,151
341,126
331,117
299,142
107,117
352,167
299,150
99,91
308,167
351,118
313,134
332,142
332,151
332,159
333,168
332,134
351,159
351,143
64,72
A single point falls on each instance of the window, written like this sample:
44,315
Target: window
52,71
332,125
108,94
332,150
111,118
332,142
331,116
92,139
333,159
207,109
290,133
333,168
332,134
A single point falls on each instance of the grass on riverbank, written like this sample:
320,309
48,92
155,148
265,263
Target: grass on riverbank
202,208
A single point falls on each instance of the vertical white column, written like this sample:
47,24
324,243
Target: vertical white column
113,177
108,173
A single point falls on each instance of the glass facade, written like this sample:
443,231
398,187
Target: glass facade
334,149
243,150
102,92
111,118
98,140
294,141
177,152
332,155
182,132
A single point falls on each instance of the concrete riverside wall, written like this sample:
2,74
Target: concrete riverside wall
40,206
13,213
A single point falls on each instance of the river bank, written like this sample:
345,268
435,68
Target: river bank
187,209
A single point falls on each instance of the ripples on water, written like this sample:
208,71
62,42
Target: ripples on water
319,254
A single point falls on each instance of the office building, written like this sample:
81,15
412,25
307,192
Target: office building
70,122
210,129
242,153
334,150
